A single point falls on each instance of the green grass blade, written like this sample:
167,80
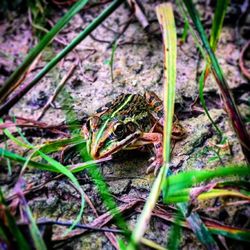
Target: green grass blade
95,23
166,19
15,76
63,170
170,47
227,231
108,199
112,58
193,177
15,140
199,228
220,11
184,32
22,160
57,145
170,55
203,103
15,157
175,236
184,195
184,14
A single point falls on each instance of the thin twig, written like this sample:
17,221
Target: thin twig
99,40
121,33
68,224
57,90
137,9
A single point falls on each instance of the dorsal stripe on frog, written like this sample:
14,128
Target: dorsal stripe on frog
109,108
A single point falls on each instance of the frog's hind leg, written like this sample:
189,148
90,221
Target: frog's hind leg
156,140
157,111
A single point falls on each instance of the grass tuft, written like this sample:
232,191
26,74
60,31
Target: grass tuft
211,59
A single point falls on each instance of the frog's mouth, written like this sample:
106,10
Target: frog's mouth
99,151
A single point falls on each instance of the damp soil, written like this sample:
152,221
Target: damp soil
138,66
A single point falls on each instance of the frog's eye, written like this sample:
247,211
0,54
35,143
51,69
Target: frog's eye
93,123
119,130
131,126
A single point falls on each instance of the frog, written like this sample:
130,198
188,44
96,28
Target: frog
130,121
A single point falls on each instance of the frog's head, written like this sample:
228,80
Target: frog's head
106,137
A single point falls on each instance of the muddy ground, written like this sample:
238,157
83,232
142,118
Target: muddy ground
138,66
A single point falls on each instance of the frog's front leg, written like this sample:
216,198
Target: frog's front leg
156,139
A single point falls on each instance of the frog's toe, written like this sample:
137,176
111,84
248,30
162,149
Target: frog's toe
152,159
154,166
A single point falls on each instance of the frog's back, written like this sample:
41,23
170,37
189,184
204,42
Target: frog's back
119,104
128,107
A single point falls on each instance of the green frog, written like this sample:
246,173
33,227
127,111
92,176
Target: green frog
131,121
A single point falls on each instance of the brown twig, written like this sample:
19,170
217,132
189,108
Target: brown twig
27,122
99,40
82,226
57,90
120,33
109,29
30,124
137,9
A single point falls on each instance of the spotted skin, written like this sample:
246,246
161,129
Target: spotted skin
130,121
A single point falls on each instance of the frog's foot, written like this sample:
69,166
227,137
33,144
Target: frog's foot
155,165
156,139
